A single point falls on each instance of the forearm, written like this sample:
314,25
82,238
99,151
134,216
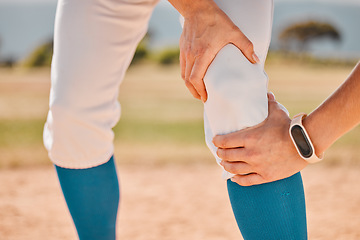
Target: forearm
189,7
336,115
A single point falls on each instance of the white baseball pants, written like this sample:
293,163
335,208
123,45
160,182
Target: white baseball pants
94,42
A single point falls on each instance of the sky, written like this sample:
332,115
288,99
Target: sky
28,30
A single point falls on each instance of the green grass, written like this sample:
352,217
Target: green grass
161,123
20,132
144,131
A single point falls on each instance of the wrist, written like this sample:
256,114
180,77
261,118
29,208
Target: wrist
302,140
316,134
288,144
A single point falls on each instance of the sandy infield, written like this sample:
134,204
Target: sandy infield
172,202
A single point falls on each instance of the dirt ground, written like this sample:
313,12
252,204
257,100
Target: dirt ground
163,200
172,202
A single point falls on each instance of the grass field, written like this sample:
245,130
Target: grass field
161,123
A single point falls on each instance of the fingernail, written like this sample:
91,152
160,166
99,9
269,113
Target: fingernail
222,163
256,58
272,94
232,179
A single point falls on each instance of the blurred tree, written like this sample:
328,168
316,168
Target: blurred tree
169,56
142,51
8,61
41,56
305,32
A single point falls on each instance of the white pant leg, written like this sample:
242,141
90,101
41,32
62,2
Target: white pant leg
94,42
237,89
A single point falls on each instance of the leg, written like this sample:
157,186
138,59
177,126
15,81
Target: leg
92,196
270,211
94,43
236,100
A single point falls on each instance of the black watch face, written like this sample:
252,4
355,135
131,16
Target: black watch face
301,141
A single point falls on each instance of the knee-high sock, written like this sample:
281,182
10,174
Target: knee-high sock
92,196
271,211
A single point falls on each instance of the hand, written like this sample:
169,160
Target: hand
263,153
205,33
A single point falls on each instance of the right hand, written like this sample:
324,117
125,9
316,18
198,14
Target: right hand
262,153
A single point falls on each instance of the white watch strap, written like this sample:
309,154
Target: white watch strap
297,120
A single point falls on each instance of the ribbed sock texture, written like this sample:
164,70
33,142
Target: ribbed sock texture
92,196
271,211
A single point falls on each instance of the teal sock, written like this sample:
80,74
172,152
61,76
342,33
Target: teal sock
92,196
271,211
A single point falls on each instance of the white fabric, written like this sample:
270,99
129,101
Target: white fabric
94,42
237,89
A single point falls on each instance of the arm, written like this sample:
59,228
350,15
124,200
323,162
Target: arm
340,113
206,30
254,152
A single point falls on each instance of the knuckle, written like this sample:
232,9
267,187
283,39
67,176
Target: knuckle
251,139
187,51
267,175
199,50
193,79
256,164
248,136
187,83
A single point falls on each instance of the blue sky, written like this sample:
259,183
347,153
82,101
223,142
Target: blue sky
29,29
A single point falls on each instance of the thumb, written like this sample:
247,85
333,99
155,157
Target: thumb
271,96
246,47
273,104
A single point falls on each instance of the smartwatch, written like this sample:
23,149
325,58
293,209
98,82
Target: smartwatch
302,141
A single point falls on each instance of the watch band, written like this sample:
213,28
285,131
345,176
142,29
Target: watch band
297,121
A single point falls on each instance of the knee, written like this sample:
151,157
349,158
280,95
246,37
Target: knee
237,92
77,139
231,76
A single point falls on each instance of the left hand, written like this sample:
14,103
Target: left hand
206,31
263,153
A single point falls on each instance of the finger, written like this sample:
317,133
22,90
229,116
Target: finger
246,47
248,180
273,105
189,62
182,64
231,140
271,96
232,154
192,90
237,167
198,72
188,66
